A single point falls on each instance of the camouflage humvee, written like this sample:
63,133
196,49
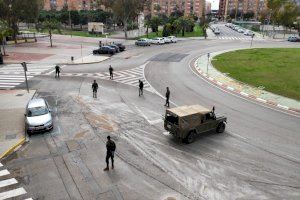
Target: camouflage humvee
185,122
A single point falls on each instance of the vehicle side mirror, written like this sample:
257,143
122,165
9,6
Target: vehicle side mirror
50,110
25,114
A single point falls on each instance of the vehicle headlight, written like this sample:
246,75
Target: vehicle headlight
49,123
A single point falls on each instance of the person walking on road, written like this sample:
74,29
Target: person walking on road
110,151
111,72
167,97
141,87
57,71
95,88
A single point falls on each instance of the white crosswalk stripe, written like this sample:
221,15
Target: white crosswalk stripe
10,187
13,75
238,38
129,77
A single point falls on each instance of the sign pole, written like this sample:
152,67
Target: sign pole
25,70
208,55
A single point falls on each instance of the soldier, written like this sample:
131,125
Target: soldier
141,87
111,72
110,151
95,88
57,71
167,97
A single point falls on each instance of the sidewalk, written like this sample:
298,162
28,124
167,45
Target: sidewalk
12,109
228,83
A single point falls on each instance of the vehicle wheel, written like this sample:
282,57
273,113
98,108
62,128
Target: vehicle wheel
190,138
221,127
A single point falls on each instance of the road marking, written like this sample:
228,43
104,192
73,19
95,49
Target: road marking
4,172
244,94
8,182
12,193
261,100
283,107
29,199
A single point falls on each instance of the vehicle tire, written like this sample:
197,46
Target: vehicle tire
190,138
221,127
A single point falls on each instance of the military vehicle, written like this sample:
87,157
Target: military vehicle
185,122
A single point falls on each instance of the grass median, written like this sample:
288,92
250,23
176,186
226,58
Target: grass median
276,69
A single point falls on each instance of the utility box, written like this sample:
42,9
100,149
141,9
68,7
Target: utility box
95,27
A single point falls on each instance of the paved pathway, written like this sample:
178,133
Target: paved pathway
9,186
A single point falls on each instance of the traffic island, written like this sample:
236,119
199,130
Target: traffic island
204,67
12,108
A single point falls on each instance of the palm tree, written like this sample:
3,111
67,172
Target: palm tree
4,32
51,25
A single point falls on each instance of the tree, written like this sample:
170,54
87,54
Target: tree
288,15
4,32
154,23
125,10
51,25
204,29
177,12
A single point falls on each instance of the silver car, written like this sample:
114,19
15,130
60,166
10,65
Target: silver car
38,116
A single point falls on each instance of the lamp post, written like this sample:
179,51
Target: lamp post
208,56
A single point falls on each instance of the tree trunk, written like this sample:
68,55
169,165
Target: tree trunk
3,46
125,28
50,35
147,31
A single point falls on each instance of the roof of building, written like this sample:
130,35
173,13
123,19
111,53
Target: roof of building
189,110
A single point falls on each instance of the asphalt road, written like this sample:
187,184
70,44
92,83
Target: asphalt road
256,158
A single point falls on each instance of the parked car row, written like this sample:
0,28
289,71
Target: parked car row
157,40
293,39
240,29
110,49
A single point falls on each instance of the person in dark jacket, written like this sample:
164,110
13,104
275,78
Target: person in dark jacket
111,72
57,71
141,87
167,97
95,89
110,151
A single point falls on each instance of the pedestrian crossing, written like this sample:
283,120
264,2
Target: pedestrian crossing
130,77
13,75
9,187
239,38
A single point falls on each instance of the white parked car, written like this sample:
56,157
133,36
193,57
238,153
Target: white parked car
173,39
167,40
217,31
240,30
250,33
38,116
158,40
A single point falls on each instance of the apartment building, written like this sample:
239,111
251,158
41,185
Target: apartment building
227,7
188,7
72,4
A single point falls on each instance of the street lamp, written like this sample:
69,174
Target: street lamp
208,56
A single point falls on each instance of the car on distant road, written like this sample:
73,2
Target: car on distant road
105,50
173,39
121,46
293,39
185,122
115,47
158,40
38,116
142,42
217,31
167,40
249,33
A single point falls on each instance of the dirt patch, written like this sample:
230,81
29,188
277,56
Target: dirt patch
103,122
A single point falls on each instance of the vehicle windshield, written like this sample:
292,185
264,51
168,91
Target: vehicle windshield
172,119
37,111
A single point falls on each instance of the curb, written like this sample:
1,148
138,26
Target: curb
231,89
11,149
